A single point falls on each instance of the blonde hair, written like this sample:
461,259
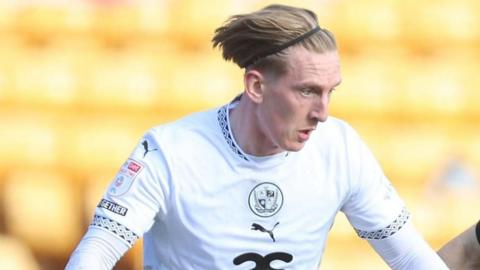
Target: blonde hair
246,38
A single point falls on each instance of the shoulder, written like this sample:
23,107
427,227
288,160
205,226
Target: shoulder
187,132
199,122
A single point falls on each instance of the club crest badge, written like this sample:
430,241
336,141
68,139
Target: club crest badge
265,199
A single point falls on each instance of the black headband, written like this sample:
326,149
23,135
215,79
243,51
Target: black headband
277,49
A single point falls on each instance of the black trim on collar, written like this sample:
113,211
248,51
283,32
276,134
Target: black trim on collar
222,116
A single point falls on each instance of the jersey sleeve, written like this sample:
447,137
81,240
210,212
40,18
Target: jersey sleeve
98,250
373,207
138,193
406,250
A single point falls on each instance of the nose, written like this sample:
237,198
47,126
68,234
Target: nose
319,111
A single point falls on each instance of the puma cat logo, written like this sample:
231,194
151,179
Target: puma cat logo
145,146
258,227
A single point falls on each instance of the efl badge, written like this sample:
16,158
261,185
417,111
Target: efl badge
265,200
125,177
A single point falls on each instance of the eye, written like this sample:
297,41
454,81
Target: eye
331,90
306,92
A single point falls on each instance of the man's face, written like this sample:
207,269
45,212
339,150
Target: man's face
295,102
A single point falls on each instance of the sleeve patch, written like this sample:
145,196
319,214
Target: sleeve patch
113,207
390,230
116,228
125,177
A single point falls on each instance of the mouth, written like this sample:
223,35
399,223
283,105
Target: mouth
304,134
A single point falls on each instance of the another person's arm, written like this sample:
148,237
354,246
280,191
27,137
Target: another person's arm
463,251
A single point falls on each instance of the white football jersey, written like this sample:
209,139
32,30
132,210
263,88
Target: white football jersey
200,202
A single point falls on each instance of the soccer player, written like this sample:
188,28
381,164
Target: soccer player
256,183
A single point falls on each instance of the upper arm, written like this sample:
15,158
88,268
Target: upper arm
373,207
379,215
137,194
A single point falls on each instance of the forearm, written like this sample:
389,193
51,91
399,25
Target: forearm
463,251
407,250
98,250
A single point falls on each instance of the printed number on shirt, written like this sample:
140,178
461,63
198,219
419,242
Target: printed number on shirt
261,262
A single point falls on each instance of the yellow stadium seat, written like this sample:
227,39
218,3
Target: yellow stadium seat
9,54
5,87
371,85
7,15
434,86
41,23
42,208
122,79
204,80
44,76
428,24
465,65
153,19
192,23
98,144
362,24
455,216
408,152
15,255
27,139
79,18
116,25
471,146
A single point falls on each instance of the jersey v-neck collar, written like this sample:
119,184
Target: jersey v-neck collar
223,117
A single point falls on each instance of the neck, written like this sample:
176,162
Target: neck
247,130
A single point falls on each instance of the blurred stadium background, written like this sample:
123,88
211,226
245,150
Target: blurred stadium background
80,81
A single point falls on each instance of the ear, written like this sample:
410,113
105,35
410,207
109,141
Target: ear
254,85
